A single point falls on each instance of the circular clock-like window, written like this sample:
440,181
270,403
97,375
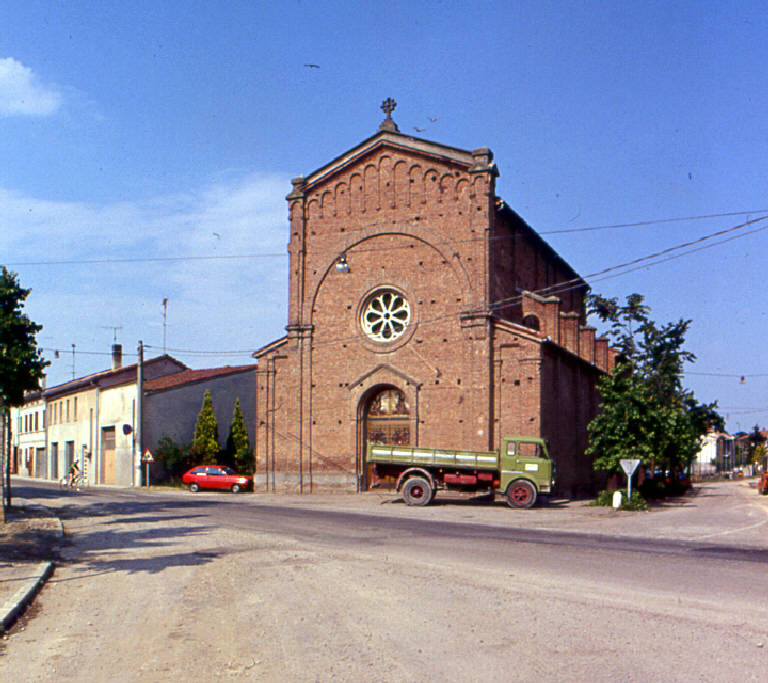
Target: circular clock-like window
385,317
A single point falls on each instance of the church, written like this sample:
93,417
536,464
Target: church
423,310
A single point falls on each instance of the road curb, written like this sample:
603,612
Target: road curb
42,571
16,605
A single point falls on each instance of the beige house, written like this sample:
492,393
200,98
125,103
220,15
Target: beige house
92,421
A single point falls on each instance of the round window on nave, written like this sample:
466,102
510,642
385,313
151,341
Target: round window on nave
385,315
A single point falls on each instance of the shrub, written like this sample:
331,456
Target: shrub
605,499
174,458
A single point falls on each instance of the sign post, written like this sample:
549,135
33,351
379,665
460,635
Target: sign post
629,465
147,458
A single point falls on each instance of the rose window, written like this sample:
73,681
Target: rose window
385,316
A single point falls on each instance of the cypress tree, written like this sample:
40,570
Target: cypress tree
206,441
238,443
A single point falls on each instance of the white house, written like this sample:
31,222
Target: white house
716,453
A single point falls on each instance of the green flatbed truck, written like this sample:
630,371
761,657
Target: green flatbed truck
520,471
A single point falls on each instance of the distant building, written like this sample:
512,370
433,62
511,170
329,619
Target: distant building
93,420
28,442
716,454
172,402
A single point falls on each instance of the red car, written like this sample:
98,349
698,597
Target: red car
216,477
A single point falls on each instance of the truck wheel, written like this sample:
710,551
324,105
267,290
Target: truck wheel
417,491
521,494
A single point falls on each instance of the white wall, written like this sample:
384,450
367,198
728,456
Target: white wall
117,407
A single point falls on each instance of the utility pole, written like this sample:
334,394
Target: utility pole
165,320
73,361
3,446
139,409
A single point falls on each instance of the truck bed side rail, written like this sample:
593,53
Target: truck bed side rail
436,457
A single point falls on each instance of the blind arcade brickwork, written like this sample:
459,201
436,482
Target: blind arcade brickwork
419,311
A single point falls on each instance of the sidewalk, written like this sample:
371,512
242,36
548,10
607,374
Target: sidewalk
29,542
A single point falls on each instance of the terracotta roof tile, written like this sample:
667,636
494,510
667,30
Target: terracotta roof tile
189,376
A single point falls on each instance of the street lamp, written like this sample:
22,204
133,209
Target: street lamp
341,264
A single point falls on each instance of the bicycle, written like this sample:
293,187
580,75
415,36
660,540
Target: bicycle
77,483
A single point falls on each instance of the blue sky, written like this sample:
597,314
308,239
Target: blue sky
172,129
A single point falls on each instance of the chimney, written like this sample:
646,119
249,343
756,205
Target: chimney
117,356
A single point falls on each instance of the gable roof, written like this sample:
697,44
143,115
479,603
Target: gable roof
188,376
122,375
397,140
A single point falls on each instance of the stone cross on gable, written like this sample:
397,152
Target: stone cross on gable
388,106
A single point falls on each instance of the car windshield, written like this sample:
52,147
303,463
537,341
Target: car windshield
227,470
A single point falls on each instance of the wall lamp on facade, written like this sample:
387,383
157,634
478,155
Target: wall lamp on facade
341,264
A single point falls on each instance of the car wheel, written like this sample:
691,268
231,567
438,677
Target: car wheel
235,488
194,487
521,494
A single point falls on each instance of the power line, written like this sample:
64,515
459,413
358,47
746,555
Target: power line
653,222
723,374
557,288
148,259
191,352
231,257
646,261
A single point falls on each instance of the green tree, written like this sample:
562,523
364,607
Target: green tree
206,441
759,455
21,361
238,444
645,411
175,458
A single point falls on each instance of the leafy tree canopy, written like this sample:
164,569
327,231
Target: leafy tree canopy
645,411
21,362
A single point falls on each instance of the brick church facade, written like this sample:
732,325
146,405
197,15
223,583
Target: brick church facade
423,310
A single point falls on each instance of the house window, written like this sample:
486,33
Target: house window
37,424
67,410
75,410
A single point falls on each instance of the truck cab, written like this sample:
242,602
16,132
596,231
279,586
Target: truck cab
526,468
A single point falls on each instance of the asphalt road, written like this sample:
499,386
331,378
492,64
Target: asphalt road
172,586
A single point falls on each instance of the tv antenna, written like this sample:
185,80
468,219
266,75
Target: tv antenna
112,327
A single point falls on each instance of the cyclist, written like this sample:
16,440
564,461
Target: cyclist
74,471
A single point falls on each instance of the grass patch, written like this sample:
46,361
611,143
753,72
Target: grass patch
605,499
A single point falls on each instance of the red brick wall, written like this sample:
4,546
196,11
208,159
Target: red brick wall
427,226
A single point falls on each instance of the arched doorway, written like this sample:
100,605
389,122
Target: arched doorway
386,419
